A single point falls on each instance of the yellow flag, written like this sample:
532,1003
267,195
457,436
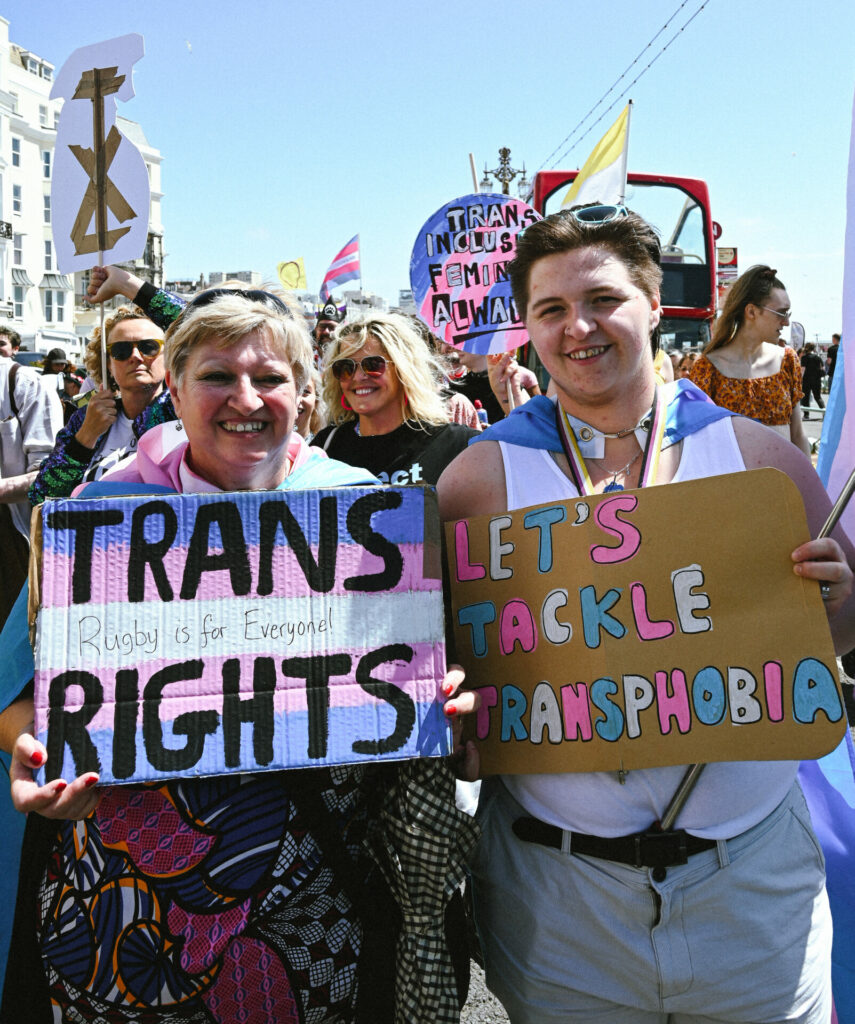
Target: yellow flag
292,275
603,177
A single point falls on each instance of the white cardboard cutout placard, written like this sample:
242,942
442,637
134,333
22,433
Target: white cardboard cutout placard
91,81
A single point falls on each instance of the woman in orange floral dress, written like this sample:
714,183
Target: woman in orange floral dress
745,367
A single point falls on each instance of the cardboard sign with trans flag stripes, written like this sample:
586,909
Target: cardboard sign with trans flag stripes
184,635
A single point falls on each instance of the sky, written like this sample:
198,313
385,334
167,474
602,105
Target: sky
288,128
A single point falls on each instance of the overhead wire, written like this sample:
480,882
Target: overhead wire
617,81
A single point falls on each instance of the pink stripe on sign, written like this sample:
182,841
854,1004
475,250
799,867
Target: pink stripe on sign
420,678
110,582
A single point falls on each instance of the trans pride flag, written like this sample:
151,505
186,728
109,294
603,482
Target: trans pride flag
344,267
829,784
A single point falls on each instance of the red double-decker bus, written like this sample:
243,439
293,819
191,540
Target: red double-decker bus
679,208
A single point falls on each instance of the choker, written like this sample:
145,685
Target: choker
592,442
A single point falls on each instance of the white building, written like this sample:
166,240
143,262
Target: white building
250,277
43,306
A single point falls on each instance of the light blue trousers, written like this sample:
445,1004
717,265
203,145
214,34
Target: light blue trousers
742,933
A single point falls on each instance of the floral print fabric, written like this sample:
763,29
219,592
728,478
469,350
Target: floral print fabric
769,400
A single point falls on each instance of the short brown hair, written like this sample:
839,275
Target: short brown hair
13,336
630,239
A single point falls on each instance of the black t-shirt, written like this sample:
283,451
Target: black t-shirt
408,455
477,385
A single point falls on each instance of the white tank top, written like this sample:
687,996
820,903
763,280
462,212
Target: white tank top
729,797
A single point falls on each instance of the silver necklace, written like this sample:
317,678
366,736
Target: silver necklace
613,485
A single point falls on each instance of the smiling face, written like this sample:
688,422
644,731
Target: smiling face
591,326
305,408
378,400
137,371
238,405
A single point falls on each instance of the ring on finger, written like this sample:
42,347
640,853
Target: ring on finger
825,590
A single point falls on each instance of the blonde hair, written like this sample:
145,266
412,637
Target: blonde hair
230,317
92,353
418,369
318,418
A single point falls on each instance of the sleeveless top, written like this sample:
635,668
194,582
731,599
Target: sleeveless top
729,797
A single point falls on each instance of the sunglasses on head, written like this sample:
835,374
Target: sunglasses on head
250,294
372,366
599,214
122,350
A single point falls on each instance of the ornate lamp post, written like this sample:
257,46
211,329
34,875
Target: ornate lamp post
504,174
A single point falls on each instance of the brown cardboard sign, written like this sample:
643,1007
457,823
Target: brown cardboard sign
645,628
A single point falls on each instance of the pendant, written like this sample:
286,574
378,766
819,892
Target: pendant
613,486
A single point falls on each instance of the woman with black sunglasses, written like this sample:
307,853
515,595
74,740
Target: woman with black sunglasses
97,436
382,387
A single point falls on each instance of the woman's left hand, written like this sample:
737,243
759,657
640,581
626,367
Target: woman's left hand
823,560
458,703
56,799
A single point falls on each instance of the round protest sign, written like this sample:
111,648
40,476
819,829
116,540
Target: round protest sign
459,272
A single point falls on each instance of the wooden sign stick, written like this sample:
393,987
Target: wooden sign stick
100,197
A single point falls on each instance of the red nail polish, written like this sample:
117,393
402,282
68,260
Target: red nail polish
447,689
450,709
59,786
37,757
91,781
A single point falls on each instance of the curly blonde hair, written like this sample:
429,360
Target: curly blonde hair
92,353
418,369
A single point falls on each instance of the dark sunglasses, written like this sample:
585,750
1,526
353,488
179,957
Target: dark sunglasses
122,350
250,294
372,366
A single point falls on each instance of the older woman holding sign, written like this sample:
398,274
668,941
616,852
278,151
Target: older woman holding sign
583,912
236,897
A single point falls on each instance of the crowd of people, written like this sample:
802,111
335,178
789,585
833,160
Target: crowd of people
297,902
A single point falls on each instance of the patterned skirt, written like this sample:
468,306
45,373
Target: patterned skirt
204,900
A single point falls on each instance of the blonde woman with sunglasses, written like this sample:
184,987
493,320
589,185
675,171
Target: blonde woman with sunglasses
97,436
382,386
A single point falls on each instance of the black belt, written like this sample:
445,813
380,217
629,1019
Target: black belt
650,849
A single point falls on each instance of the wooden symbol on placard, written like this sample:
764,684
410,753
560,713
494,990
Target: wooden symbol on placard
100,192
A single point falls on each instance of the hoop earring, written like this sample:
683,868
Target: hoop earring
344,404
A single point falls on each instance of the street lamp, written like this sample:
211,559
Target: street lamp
504,174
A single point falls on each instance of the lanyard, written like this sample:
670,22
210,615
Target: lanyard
649,460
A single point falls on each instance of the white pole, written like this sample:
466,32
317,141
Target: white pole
625,153
474,172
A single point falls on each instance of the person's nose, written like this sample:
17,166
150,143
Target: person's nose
580,322
244,397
